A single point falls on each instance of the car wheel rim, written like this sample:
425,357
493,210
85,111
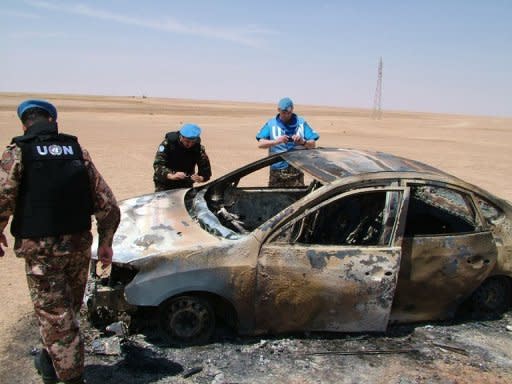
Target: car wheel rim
188,318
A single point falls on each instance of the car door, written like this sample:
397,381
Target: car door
334,267
447,253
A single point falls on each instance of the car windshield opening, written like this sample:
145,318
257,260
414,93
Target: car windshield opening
240,202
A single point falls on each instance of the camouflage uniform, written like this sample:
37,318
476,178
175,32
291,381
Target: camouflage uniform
288,177
162,166
56,267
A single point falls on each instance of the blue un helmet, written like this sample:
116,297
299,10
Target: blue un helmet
190,131
41,104
285,104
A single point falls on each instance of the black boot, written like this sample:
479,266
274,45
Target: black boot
44,367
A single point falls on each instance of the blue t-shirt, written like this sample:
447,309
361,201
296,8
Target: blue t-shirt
275,127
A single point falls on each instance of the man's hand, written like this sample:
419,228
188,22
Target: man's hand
3,241
196,178
177,176
297,139
105,254
282,139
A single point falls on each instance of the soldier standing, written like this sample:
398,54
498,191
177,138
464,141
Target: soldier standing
177,157
51,187
284,132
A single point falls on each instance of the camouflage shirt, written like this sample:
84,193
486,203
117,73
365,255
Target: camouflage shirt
172,157
106,209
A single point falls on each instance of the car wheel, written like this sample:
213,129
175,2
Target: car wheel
494,295
187,320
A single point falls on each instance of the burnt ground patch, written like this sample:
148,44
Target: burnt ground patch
447,352
450,352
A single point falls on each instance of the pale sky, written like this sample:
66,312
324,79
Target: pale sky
438,55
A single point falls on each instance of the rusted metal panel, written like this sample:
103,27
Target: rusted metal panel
439,272
325,288
227,271
111,298
331,164
502,231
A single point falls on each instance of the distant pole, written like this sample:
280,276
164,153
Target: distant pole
377,101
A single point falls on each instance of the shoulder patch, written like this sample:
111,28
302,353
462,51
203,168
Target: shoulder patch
161,148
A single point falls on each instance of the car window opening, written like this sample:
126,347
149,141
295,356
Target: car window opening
354,220
436,211
361,219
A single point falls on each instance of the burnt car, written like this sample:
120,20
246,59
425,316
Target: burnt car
372,239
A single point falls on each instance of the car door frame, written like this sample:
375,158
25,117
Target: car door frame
342,288
438,272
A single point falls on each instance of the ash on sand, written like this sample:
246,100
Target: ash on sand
471,351
452,352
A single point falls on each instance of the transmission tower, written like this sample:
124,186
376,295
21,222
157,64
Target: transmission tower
377,101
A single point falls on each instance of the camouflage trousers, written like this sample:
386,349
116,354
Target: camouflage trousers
57,285
288,177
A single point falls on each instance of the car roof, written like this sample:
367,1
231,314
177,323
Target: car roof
331,164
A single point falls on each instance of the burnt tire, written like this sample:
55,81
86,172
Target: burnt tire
493,296
187,320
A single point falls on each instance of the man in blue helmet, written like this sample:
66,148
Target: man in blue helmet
50,186
177,158
284,132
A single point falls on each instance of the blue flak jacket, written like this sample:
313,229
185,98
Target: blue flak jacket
275,127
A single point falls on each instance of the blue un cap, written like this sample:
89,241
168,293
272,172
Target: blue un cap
42,104
190,131
285,104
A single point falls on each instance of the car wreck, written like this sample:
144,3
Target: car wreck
372,239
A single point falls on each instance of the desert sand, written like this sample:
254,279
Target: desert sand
123,133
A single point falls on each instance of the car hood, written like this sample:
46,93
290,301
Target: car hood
157,224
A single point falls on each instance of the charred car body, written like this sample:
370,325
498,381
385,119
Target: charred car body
373,239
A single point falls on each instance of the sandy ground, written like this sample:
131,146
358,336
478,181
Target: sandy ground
122,135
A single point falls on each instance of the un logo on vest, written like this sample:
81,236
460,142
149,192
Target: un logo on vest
55,150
